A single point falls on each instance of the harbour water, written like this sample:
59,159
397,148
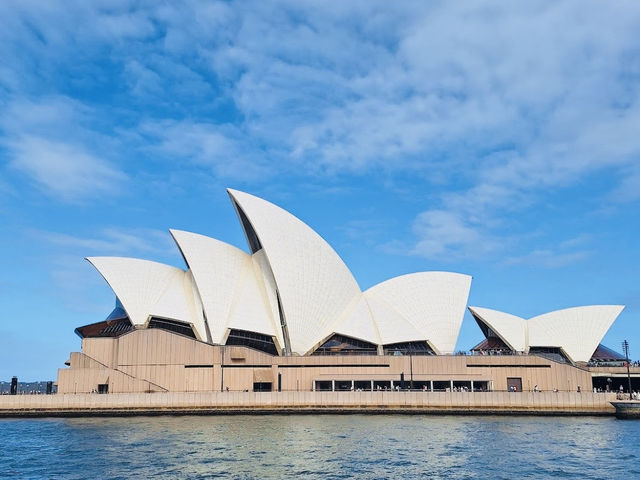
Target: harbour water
320,446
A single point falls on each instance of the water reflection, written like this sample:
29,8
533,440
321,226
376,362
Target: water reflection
329,446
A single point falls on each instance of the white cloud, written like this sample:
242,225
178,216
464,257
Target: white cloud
629,188
549,258
49,142
114,241
497,104
496,101
223,149
77,282
65,171
445,236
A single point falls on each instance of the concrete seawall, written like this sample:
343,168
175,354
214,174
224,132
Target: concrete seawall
529,403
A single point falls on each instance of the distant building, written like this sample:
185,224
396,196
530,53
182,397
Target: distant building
291,316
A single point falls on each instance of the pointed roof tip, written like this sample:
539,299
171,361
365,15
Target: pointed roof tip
476,307
178,231
233,191
93,259
234,194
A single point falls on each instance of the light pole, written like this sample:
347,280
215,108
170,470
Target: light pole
411,370
625,348
222,368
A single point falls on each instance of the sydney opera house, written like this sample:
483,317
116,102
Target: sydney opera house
289,315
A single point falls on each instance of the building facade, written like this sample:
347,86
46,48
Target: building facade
289,315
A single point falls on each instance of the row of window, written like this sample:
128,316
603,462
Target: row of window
343,345
402,384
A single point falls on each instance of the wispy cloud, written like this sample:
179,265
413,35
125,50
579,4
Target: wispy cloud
75,281
629,188
458,95
548,258
364,229
443,235
561,254
113,241
223,149
49,142
66,171
366,87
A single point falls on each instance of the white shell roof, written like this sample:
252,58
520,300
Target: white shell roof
227,288
391,325
314,284
250,309
147,289
577,330
430,303
510,328
231,286
357,322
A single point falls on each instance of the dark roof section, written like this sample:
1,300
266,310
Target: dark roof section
491,343
343,345
605,354
175,326
106,328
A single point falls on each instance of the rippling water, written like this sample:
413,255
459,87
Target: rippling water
323,446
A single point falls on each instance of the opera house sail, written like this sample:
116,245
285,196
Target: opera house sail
572,334
288,313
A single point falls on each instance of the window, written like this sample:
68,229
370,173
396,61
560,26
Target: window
408,348
257,341
324,385
514,384
441,386
343,345
261,386
550,353
172,326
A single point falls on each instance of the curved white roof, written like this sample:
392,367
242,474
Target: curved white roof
230,284
357,322
314,284
250,309
577,331
432,303
147,289
391,325
510,328
293,287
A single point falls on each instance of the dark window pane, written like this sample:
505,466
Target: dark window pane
343,345
257,341
174,326
408,348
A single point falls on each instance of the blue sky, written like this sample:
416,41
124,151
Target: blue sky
497,139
